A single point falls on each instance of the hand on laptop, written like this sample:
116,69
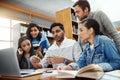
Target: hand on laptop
35,62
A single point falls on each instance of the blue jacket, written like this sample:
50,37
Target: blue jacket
105,54
44,43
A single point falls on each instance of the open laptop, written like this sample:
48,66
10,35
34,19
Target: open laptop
9,65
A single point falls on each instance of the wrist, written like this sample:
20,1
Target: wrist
65,61
71,67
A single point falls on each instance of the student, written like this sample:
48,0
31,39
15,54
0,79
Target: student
100,50
39,40
25,51
83,11
62,51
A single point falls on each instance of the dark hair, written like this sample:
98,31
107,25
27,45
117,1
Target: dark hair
83,4
61,26
92,23
23,59
29,30
23,39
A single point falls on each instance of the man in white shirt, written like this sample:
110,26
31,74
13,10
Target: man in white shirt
62,51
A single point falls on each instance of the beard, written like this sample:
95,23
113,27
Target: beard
58,39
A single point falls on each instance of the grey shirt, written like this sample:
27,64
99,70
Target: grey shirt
106,26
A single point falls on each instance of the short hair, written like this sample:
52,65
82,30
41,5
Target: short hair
92,23
61,26
83,4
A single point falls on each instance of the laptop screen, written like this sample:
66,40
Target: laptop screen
9,65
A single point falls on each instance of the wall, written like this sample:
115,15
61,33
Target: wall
10,13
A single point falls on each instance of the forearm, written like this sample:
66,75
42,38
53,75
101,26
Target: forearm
67,61
19,57
105,66
74,66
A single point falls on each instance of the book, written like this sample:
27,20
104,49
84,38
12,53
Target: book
115,73
91,72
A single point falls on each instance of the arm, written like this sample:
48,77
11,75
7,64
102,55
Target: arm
105,22
77,50
112,55
44,60
35,62
45,43
81,62
108,28
19,54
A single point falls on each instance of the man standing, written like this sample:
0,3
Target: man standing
82,11
62,51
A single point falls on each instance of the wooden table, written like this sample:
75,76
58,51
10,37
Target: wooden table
39,77
53,77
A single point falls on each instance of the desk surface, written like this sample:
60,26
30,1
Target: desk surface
38,77
53,77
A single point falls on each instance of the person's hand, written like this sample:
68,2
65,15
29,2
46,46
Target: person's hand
35,62
20,51
55,59
64,68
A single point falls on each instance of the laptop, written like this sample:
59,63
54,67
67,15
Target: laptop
9,65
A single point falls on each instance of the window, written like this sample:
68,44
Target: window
6,32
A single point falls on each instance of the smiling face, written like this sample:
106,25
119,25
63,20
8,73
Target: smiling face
34,32
57,33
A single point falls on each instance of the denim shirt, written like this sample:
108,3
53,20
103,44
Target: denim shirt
105,54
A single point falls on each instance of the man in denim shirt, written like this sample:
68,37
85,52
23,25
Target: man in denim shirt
100,50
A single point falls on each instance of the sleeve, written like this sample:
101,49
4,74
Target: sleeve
81,62
76,51
19,57
43,61
109,29
106,23
112,55
45,43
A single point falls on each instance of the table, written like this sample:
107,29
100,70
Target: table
53,77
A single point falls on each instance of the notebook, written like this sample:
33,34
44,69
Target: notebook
9,65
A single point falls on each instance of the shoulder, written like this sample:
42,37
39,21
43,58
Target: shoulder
99,13
104,39
70,40
43,36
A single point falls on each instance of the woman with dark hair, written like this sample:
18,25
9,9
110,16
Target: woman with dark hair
24,52
38,39
99,51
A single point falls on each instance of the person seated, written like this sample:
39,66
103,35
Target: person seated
24,52
99,51
62,51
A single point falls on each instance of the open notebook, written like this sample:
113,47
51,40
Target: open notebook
9,65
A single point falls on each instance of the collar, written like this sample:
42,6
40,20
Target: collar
96,42
90,15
